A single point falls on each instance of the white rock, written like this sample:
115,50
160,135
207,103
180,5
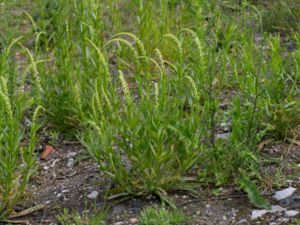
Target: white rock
119,223
243,221
71,154
282,220
93,195
224,136
54,163
291,213
285,193
134,220
70,163
259,213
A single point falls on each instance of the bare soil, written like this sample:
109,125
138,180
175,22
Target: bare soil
57,186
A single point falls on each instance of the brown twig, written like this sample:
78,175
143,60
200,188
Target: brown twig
26,211
216,198
26,222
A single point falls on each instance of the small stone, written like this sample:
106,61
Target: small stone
285,193
71,154
134,220
291,213
119,223
93,195
259,213
233,212
224,136
243,222
46,168
283,220
70,163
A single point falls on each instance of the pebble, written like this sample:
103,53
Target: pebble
224,136
291,213
259,213
282,220
71,154
134,220
46,168
93,195
119,223
243,222
285,193
70,163
234,212
59,195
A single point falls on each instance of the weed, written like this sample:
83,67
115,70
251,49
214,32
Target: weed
17,158
75,218
142,146
153,216
287,15
146,101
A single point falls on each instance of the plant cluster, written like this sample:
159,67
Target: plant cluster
153,216
17,143
150,101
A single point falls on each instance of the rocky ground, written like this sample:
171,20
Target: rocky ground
68,178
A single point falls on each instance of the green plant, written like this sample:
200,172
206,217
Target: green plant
253,193
17,144
136,136
282,118
163,216
75,218
281,103
282,16
65,83
147,102
147,145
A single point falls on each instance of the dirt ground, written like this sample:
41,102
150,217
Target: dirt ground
69,175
